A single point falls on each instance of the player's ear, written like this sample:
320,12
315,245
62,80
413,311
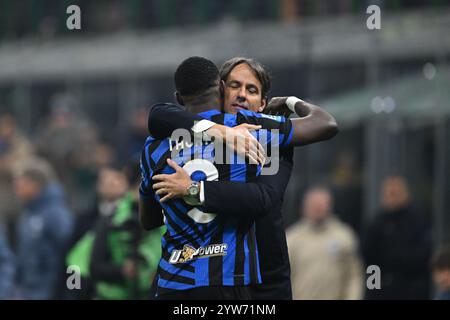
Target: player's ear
178,98
263,104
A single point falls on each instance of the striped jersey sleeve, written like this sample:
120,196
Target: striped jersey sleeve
269,122
145,188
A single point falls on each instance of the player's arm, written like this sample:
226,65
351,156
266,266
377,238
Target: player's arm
313,124
150,213
252,199
165,118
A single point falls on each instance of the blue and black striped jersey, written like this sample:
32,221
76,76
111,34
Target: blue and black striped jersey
200,248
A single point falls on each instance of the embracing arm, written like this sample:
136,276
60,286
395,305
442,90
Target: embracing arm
164,118
313,125
252,199
150,213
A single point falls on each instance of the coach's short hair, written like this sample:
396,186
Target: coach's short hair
195,75
258,69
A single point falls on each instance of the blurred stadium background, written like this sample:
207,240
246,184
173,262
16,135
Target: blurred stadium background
388,88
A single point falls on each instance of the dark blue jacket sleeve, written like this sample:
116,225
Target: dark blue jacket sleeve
164,118
248,200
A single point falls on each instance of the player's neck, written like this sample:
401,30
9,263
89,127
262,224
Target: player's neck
203,104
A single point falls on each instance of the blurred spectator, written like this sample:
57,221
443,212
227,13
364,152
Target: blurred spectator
104,156
289,10
113,185
147,252
68,140
138,133
332,7
398,240
14,150
344,173
66,137
43,229
125,257
7,269
323,252
80,245
14,146
85,176
111,16
47,28
440,265
104,193
347,187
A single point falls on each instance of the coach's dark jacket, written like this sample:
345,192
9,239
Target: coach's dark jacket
43,230
261,199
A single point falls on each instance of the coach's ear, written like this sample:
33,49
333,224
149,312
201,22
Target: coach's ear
178,98
263,104
222,88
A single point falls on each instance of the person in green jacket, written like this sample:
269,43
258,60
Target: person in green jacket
120,256
130,253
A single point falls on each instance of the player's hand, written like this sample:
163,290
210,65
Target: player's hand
244,143
173,185
277,106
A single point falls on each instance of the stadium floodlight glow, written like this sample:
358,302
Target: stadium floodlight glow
389,104
380,104
429,71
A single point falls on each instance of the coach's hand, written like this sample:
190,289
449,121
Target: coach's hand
277,106
173,185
